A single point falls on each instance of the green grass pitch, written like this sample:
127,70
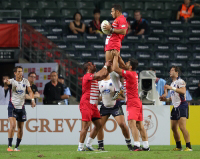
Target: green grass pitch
112,152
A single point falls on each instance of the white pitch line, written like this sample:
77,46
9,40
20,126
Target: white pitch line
97,152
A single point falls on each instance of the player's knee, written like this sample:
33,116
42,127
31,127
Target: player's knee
122,125
174,128
12,126
98,126
20,131
182,127
138,126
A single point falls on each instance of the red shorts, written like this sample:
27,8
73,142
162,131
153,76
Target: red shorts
89,112
113,46
134,110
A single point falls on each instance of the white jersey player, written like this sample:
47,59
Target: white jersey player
16,109
111,107
179,113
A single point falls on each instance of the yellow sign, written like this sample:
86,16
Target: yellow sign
25,70
40,100
41,70
45,77
192,127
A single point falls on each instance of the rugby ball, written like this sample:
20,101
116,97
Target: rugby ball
105,22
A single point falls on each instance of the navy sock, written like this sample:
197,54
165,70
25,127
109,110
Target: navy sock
10,142
100,142
188,145
128,142
18,142
178,145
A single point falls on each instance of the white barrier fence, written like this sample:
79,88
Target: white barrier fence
61,125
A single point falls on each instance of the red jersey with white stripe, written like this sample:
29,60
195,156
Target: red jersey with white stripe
90,90
114,41
130,84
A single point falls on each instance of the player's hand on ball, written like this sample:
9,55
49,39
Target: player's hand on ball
107,27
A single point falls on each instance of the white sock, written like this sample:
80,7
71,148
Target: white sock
145,144
89,141
116,80
81,145
137,143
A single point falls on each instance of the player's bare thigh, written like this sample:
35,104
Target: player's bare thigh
109,55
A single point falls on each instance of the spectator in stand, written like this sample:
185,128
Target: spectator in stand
196,94
66,89
140,26
4,92
186,11
95,25
54,91
129,25
76,26
31,79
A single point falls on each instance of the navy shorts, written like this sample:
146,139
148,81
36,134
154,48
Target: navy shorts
115,111
181,111
19,114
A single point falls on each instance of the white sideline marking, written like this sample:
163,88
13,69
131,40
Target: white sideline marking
97,152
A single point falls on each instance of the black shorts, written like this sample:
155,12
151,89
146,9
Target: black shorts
179,112
19,114
115,111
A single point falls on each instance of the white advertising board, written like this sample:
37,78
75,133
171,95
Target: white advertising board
61,125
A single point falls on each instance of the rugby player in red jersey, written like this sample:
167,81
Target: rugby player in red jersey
89,101
134,105
113,42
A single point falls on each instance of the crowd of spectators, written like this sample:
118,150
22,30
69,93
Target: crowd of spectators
138,27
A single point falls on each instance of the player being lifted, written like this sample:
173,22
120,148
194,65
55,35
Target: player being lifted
16,108
134,105
113,42
111,107
179,113
88,103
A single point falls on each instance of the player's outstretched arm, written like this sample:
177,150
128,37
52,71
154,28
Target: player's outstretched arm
116,66
32,96
121,63
103,73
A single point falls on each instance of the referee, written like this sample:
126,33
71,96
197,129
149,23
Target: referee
31,79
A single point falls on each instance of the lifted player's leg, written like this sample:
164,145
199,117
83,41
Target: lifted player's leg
114,76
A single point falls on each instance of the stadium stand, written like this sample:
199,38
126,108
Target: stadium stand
168,43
